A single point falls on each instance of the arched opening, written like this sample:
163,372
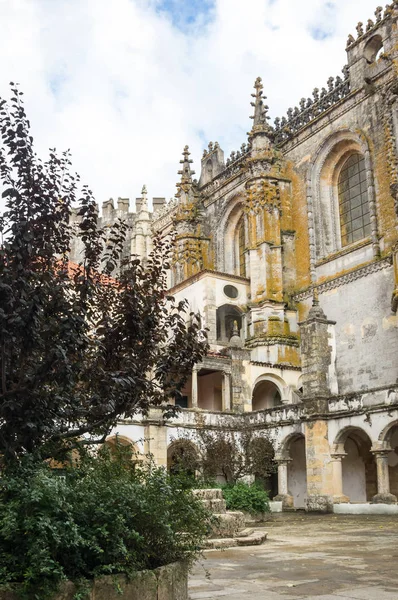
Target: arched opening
209,170
297,471
226,316
353,197
264,467
241,239
390,438
210,389
266,394
358,466
334,197
228,241
373,49
120,444
393,461
182,458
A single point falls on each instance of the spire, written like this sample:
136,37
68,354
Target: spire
260,116
186,172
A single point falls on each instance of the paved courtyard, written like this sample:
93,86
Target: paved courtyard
317,557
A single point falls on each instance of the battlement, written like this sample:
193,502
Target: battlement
111,212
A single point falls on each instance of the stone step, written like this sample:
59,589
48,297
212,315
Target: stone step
215,505
219,543
245,532
256,539
209,494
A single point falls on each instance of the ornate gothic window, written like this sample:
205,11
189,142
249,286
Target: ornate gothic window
242,247
353,200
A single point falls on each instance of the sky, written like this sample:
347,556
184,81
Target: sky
126,84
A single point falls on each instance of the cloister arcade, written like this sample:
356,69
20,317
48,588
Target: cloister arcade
360,461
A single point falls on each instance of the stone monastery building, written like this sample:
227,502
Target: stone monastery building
289,251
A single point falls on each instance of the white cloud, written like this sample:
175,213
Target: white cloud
125,89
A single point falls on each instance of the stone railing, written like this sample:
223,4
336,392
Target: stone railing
206,418
233,166
163,216
310,108
280,414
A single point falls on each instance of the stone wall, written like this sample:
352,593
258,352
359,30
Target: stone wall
365,330
165,583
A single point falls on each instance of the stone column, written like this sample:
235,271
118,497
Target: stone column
194,390
226,391
337,466
283,492
383,495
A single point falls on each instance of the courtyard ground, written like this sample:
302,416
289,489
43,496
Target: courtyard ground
320,557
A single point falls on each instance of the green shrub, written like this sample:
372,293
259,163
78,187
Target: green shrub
249,498
105,516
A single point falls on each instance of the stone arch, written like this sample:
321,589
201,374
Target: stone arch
113,441
373,48
266,384
182,455
387,432
322,200
294,453
226,315
389,439
209,169
358,463
228,253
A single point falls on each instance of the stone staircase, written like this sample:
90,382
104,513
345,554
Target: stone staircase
229,529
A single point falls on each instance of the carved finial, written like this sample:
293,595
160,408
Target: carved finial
330,82
359,28
378,12
387,11
210,146
186,172
144,191
369,25
346,72
204,152
315,297
315,93
260,116
350,40
216,145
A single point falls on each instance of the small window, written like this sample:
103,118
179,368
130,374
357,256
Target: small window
353,201
231,291
373,49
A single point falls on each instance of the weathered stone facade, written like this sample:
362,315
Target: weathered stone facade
289,251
